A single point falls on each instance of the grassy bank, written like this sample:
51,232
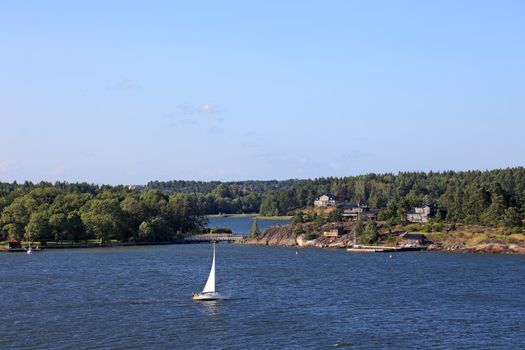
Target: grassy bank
254,215
453,235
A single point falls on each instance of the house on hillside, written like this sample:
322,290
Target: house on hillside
413,239
355,211
422,214
326,200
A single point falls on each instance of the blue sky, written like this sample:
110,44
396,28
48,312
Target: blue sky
132,91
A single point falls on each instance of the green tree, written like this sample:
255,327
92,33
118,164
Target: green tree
15,216
59,226
103,219
493,215
38,226
335,215
146,232
512,217
298,218
75,227
222,191
371,233
255,229
269,206
358,230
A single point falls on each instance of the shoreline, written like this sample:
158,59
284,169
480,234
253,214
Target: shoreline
253,216
486,248
458,241
4,249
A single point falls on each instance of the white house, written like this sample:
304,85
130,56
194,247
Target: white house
326,200
421,214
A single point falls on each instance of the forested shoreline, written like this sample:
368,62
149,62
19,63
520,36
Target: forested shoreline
491,198
165,211
82,212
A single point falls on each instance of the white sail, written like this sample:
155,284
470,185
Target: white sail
210,284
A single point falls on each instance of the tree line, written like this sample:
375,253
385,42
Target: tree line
80,212
495,197
167,210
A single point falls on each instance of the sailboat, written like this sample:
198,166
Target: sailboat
209,292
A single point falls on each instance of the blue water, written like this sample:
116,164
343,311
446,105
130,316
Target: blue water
140,297
244,225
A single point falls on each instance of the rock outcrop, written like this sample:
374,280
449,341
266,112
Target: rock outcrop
290,236
309,235
281,235
496,248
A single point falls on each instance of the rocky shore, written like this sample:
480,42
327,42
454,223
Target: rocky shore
290,236
493,247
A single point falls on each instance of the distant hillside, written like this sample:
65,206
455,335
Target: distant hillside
185,186
491,198
478,197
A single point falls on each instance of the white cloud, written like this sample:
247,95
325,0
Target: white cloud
195,110
205,108
4,166
59,169
187,114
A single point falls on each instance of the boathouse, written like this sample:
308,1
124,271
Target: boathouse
15,244
333,233
413,239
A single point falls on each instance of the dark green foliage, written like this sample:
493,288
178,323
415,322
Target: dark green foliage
298,230
370,234
512,217
79,212
309,236
64,211
475,197
269,206
217,230
298,218
359,229
335,215
255,229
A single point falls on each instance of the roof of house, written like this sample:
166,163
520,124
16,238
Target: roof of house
427,205
329,195
350,206
355,206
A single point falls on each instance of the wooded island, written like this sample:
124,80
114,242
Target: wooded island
164,211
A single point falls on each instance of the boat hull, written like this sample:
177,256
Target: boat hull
208,296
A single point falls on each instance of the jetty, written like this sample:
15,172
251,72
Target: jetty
382,249
214,237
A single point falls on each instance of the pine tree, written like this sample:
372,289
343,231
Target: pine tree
359,230
371,233
255,229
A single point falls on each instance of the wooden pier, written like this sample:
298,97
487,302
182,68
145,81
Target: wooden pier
382,249
214,237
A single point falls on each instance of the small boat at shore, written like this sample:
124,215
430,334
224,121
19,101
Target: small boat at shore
15,246
209,293
31,250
